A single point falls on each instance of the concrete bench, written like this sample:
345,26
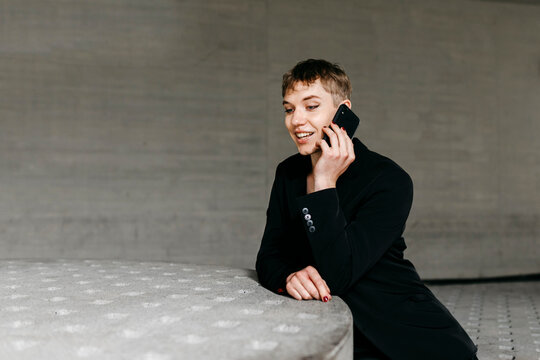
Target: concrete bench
68,309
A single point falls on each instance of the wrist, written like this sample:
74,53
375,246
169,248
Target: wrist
321,184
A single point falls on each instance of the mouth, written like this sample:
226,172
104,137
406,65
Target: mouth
303,137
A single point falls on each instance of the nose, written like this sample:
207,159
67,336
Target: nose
298,118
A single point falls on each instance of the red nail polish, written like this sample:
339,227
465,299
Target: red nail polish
325,299
342,128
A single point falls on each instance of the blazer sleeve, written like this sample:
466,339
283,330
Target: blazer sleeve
345,251
271,264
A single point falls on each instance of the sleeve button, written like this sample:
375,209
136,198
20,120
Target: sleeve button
312,229
307,217
305,211
309,222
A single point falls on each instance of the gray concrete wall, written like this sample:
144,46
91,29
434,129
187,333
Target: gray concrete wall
151,129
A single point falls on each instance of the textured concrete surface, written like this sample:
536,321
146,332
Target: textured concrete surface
503,319
139,129
69,309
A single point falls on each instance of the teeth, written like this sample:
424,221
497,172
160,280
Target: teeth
303,135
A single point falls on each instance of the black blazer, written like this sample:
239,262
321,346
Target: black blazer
352,235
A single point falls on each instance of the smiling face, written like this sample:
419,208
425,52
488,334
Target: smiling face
308,108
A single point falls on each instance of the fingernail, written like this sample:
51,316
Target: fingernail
342,128
325,299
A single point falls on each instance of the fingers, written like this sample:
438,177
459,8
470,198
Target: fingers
341,135
322,288
295,294
296,289
303,284
323,144
310,286
334,141
290,286
346,147
289,277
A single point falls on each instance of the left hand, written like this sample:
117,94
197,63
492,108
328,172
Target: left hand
335,159
307,284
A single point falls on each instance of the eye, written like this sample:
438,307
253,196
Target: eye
312,107
288,111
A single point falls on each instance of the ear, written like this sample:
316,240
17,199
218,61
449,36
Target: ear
346,102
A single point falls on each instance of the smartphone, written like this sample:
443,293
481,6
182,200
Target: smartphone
346,119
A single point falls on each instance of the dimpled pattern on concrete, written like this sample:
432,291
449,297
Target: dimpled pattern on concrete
69,309
502,318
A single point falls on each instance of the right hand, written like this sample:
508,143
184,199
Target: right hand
335,159
307,284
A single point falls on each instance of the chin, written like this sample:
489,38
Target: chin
306,149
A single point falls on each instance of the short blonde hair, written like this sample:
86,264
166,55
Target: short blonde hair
332,77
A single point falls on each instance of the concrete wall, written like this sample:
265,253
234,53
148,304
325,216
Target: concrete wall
151,129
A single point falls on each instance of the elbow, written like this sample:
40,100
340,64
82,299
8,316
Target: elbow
259,269
266,274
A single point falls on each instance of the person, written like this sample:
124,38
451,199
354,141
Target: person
334,226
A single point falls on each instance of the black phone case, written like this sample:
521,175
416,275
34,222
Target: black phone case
345,118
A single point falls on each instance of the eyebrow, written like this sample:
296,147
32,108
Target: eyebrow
304,99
